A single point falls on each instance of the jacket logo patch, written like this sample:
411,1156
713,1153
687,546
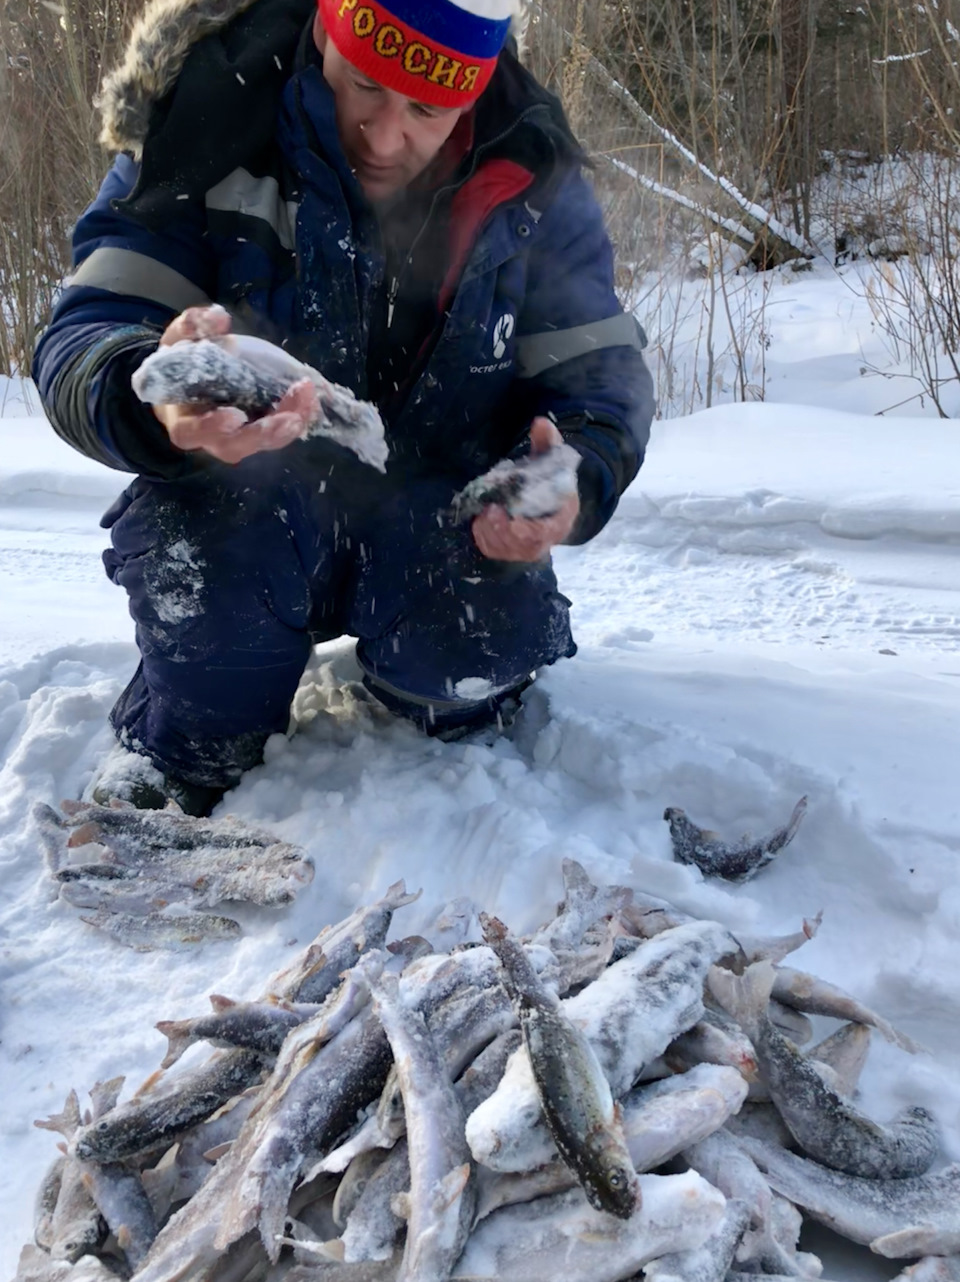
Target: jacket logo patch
501,334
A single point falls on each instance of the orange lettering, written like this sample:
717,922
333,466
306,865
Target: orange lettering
364,21
415,50
469,78
444,71
394,35
347,4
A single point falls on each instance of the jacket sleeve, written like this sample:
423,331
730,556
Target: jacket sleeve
127,285
579,356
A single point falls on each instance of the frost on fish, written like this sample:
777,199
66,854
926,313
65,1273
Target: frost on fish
144,872
441,1200
564,1237
75,1226
260,1026
709,1262
769,1242
840,1057
254,375
715,857
932,1268
316,972
583,905
715,1039
228,1156
658,1121
35,1265
663,1118
803,992
164,930
629,1016
45,1202
826,1125
914,1216
533,486
373,1226
173,1105
205,372
775,947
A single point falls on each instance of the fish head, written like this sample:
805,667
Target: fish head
611,1184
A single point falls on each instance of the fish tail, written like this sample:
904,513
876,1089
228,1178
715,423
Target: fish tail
104,1096
745,996
276,1186
494,931
50,828
450,1189
397,896
179,1035
812,924
67,1122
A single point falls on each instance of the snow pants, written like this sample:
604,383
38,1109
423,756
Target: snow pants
233,576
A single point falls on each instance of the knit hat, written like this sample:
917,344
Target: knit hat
442,52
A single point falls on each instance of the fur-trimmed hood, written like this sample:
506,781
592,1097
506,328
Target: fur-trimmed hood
159,43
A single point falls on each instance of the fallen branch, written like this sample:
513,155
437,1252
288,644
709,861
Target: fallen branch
780,243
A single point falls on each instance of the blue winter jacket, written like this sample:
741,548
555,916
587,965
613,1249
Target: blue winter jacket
241,194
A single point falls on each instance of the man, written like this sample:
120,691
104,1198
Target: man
385,191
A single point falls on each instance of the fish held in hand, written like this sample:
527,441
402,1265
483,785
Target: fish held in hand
534,486
574,1093
718,858
254,375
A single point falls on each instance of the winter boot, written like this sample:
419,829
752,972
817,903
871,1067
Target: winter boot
131,777
492,720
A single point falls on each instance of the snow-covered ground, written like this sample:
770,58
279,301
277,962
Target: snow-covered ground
775,611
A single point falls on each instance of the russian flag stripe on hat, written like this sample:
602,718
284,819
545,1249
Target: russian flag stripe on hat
435,51
468,28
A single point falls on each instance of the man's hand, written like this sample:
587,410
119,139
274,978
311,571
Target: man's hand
505,538
226,432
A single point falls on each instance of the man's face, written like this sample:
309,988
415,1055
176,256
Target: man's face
388,138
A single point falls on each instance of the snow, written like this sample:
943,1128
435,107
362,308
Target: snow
773,612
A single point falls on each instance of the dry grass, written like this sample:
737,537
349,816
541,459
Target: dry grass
51,56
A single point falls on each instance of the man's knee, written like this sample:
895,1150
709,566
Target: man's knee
201,568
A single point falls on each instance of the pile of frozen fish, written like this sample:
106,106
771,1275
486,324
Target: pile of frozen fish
628,1092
